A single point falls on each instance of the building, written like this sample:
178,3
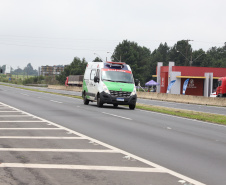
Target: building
51,70
202,80
7,69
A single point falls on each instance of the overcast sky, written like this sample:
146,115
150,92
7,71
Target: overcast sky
53,32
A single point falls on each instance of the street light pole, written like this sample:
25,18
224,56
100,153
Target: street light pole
198,57
99,56
114,56
190,61
183,55
187,47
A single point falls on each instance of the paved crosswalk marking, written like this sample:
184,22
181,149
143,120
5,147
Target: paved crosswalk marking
31,129
58,150
82,167
36,137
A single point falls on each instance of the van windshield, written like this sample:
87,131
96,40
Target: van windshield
117,76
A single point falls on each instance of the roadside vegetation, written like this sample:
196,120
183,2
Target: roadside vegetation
213,118
207,117
143,61
29,80
26,76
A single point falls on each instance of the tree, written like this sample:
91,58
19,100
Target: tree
159,55
29,70
17,71
137,57
97,59
77,67
181,53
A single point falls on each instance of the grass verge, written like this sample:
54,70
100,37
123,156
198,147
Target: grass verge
208,117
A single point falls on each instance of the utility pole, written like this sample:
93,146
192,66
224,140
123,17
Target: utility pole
187,49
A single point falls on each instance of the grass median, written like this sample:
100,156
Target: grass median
208,117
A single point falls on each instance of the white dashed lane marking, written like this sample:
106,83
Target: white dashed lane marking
55,101
117,116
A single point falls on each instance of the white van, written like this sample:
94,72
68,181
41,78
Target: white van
109,82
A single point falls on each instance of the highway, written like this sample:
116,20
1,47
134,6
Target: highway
155,148
184,106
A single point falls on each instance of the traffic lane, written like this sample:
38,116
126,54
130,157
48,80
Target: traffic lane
185,106
78,107
29,95
76,104
44,89
209,131
179,144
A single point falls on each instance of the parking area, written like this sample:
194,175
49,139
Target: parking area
37,151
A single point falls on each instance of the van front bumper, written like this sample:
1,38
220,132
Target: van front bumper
109,99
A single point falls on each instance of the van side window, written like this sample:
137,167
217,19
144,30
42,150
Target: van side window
92,74
98,73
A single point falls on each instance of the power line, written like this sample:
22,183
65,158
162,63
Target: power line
49,47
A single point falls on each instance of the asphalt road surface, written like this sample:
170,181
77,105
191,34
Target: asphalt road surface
51,139
184,106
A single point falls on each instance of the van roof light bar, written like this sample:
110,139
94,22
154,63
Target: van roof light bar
116,64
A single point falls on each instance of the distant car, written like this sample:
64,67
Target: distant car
213,94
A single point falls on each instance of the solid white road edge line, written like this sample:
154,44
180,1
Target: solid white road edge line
116,149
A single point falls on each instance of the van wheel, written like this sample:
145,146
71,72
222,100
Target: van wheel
115,105
132,107
99,102
85,100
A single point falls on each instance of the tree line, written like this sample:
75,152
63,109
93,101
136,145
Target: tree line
143,62
28,70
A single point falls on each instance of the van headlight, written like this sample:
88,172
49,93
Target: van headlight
134,91
105,89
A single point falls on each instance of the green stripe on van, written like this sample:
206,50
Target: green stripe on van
116,86
84,88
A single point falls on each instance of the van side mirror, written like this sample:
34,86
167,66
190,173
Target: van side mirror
96,79
136,82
